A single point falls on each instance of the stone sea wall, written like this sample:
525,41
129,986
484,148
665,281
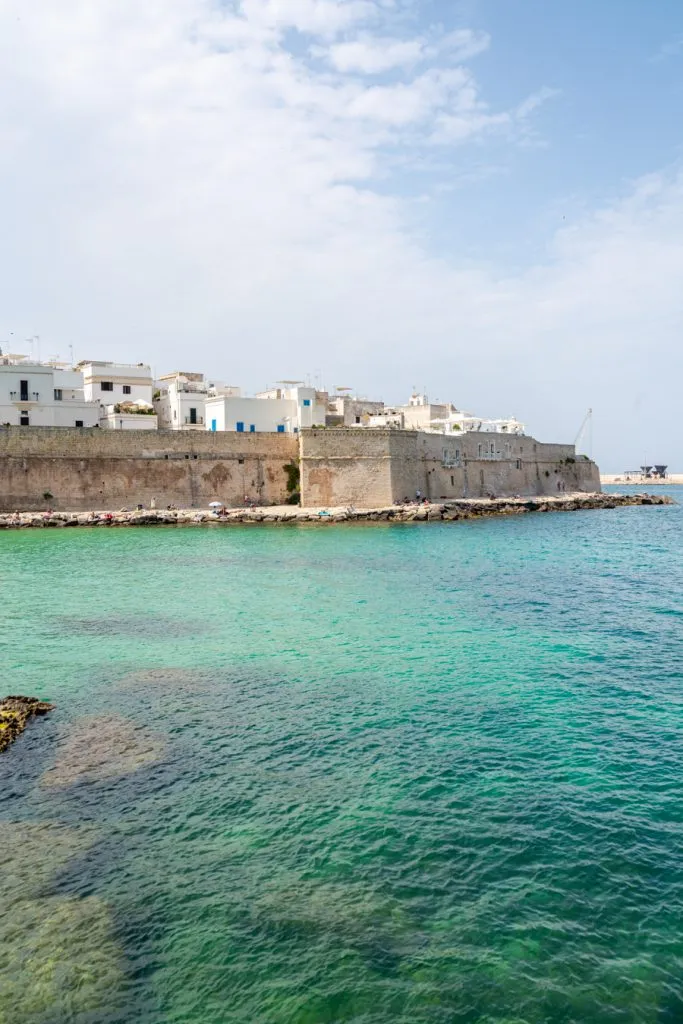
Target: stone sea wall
380,467
451,511
80,470
86,469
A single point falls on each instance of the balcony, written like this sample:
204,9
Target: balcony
198,421
24,397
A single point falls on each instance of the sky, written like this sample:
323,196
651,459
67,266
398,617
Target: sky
481,199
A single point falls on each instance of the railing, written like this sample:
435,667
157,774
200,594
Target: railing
25,396
197,421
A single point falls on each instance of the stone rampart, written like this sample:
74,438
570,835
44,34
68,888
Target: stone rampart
368,468
85,469
94,469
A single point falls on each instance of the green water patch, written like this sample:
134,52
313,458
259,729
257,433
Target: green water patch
59,959
408,776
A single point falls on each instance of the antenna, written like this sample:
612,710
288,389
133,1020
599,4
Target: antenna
586,427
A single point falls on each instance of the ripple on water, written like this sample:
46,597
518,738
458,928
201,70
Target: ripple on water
101,748
463,804
59,960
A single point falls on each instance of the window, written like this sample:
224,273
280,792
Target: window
357,419
493,448
23,420
280,428
126,389
252,428
307,401
193,415
58,394
240,427
106,385
519,463
79,423
175,414
23,390
240,462
452,481
479,450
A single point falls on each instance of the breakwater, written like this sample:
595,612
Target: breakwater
451,511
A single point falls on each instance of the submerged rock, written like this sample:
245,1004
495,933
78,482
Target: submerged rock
102,747
15,714
58,960
168,680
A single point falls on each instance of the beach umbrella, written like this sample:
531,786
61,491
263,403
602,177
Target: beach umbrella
215,504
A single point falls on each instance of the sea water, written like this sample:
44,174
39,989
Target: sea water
380,774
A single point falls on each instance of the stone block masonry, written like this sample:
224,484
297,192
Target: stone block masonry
373,468
80,470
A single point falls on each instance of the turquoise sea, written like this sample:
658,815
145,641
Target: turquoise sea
376,774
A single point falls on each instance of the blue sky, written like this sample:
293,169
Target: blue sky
484,198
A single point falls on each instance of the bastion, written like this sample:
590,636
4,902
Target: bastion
80,469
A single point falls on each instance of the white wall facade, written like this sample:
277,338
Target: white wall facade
122,385
251,415
112,420
278,410
180,405
41,395
182,397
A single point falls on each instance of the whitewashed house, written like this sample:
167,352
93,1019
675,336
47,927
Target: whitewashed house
285,409
180,400
124,393
43,395
440,418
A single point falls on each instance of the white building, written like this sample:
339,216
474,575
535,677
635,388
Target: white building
284,410
440,418
43,395
124,393
180,400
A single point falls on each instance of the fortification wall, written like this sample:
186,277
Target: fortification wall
367,468
86,469
346,467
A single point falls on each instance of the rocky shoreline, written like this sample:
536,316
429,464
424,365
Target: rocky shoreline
448,511
15,714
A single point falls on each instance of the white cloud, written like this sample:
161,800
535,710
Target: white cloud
536,100
325,18
373,56
464,44
176,184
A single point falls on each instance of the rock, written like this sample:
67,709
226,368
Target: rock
59,960
15,714
102,747
58,957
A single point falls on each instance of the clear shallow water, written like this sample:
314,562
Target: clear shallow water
384,774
